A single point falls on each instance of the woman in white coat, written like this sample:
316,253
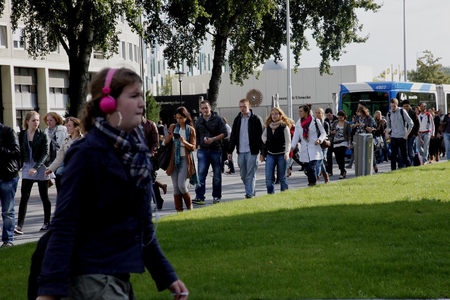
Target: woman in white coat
56,133
310,134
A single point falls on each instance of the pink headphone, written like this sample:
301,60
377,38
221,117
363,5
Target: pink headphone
108,104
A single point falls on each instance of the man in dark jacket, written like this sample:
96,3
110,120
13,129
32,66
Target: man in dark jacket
410,143
330,118
9,177
246,137
209,129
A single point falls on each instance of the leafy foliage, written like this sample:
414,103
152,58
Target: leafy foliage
446,70
78,26
153,108
250,31
429,70
166,87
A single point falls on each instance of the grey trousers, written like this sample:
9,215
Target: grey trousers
99,287
179,179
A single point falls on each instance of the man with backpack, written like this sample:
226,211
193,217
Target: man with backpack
398,127
426,131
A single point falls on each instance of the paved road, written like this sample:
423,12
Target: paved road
232,189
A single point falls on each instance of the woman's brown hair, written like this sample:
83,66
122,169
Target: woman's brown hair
342,113
58,119
182,111
284,120
122,78
364,110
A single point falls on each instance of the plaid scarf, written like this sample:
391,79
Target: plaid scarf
305,126
136,155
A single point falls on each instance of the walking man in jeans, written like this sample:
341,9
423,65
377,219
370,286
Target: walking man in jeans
210,129
426,131
246,137
9,177
399,125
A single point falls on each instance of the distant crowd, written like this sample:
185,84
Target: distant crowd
405,137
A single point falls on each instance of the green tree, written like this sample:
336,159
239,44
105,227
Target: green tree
248,32
446,70
166,87
153,108
429,70
78,26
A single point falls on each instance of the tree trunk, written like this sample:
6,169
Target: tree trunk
220,48
79,61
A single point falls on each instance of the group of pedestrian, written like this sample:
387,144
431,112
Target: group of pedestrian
40,154
114,161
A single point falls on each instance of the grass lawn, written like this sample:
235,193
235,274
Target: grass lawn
384,236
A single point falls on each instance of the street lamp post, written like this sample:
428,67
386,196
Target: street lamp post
180,80
404,39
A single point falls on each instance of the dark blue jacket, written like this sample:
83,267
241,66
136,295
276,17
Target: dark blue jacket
211,128
102,221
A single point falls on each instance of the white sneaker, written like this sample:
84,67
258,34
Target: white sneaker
216,200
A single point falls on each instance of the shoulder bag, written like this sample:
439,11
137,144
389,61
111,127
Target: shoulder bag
164,155
326,143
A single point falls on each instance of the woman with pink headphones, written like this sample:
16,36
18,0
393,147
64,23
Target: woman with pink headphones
102,228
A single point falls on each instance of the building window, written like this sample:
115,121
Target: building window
135,53
121,19
122,51
18,44
159,67
3,36
130,51
98,53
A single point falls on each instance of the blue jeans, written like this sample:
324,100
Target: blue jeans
205,159
282,165
248,164
410,148
447,145
320,165
423,149
311,171
7,193
398,144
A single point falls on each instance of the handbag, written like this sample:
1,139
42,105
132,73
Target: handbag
164,155
326,143
378,143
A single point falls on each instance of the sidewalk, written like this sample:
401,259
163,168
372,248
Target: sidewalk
232,189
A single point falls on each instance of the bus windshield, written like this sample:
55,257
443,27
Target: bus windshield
373,101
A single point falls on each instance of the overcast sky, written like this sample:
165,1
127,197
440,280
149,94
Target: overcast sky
427,28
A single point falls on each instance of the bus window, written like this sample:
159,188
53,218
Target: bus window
372,100
448,103
416,98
